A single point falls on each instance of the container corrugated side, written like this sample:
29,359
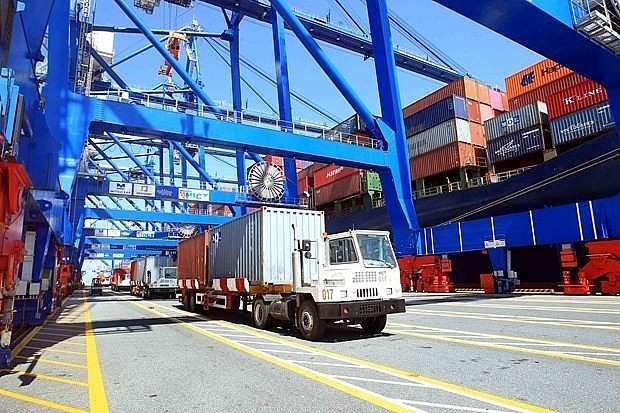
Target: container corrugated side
332,173
515,145
192,258
473,111
499,99
576,98
543,92
445,109
463,87
534,77
259,245
441,160
454,130
486,113
135,269
582,124
476,132
349,186
534,114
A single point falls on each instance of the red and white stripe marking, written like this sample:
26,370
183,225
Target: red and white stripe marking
189,284
231,284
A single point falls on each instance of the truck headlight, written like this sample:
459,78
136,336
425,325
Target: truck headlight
388,291
343,293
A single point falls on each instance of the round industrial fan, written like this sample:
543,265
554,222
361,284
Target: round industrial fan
266,181
187,230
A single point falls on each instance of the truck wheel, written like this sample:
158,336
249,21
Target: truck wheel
310,326
147,295
260,314
374,325
193,307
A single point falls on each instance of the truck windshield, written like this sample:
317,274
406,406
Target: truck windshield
170,273
376,250
342,251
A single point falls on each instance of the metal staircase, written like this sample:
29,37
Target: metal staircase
83,66
599,20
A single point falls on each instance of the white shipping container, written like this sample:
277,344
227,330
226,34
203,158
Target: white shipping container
153,264
259,246
525,117
446,133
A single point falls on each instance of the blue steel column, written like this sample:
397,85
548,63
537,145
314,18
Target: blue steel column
395,180
235,75
284,97
330,70
41,244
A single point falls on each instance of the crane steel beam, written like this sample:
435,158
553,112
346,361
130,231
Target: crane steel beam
106,68
343,38
117,253
134,30
115,214
126,118
140,242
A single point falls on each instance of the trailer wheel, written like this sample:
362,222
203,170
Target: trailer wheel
310,326
186,298
147,294
260,314
374,325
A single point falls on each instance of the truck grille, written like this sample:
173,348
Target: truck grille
368,276
373,308
367,292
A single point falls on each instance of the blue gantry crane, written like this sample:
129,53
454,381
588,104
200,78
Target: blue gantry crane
65,133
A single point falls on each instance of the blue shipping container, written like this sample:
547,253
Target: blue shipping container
515,145
446,109
582,124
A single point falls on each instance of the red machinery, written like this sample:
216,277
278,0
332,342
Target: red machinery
13,181
175,41
430,273
599,274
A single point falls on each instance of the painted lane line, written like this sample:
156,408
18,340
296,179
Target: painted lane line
452,407
318,363
520,317
448,387
49,361
229,334
592,354
390,382
66,337
262,343
96,391
271,350
503,337
490,317
509,348
536,308
360,393
45,377
520,344
58,342
52,350
40,402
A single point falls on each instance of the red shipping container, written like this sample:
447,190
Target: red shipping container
473,111
486,112
340,189
542,93
193,257
477,134
278,160
534,77
332,173
462,87
446,158
304,185
576,98
484,93
310,170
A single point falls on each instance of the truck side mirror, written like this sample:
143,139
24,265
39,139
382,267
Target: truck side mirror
306,245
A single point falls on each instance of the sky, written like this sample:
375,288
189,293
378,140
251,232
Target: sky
486,55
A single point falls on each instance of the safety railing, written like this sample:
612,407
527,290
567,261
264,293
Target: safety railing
244,117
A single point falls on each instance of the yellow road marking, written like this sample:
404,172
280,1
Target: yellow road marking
18,348
65,336
355,391
499,336
96,390
48,361
559,322
558,309
58,342
44,377
40,402
53,350
452,388
508,347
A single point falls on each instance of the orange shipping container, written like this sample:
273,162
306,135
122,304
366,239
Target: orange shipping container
473,111
456,155
332,173
477,134
337,190
192,258
542,93
463,87
535,76
278,160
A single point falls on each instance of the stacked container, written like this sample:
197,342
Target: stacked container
445,129
521,133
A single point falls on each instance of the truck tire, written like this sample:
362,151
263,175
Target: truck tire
146,294
193,307
310,326
260,314
186,298
374,325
